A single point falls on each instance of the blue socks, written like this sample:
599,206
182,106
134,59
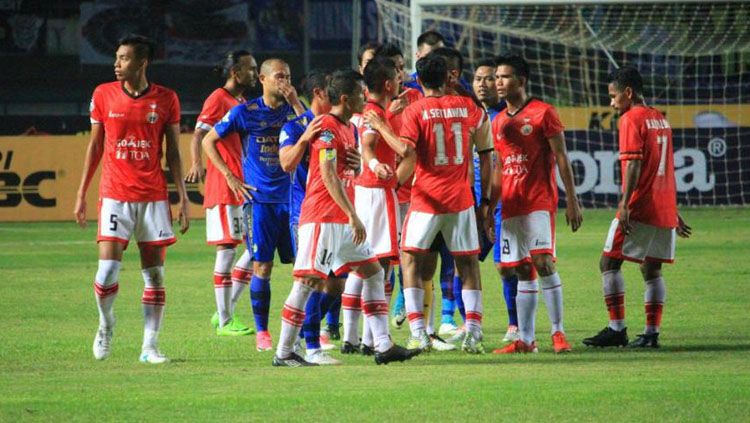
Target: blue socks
510,289
260,299
311,324
457,287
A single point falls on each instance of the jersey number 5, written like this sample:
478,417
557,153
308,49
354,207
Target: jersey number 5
441,159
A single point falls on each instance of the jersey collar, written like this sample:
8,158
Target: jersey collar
135,97
528,100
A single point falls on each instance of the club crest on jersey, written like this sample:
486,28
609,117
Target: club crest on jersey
526,129
326,136
252,106
152,116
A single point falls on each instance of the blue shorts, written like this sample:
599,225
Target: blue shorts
270,232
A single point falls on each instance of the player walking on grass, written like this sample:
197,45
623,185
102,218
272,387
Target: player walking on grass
259,122
441,131
224,221
529,141
647,220
331,235
129,119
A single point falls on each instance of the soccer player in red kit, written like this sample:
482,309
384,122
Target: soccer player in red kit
129,119
529,141
332,238
441,131
647,219
224,220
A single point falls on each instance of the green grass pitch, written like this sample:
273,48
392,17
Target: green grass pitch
47,371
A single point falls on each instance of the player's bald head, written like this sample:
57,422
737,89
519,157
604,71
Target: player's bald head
270,65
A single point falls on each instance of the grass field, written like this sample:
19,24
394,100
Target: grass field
47,371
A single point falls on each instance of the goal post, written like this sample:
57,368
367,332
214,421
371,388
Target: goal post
694,57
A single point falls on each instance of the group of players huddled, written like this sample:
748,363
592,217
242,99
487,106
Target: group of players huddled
378,170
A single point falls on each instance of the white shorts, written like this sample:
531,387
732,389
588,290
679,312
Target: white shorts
224,224
459,231
377,208
527,235
150,222
326,247
645,243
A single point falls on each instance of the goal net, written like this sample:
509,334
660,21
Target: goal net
694,57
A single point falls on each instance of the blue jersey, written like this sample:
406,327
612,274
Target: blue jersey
290,134
412,83
491,112
259,126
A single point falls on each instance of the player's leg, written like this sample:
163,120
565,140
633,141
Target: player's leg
223,284
263,247
106,286
368,339
242,274
398,311
448,325
292,317
331,295
509,280
351,303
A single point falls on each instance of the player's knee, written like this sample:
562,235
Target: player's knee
262,269
524,271
544,264
108,272
650,270
607,264
507,272
153,276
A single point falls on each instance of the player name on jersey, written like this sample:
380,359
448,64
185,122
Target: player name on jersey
445,113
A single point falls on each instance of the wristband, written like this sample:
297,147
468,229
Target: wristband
372,164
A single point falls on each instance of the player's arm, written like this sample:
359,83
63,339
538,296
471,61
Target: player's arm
632,174
240,189
497,184
291,155
196,172
377,123
573,214
94,153
482,140
175,166
335,188
382,170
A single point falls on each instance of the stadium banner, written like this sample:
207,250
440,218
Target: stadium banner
680,116
39,178
712,166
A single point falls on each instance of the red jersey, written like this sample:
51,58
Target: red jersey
645,135
412,95
440,129
528,164
383,152
133,132
216,189
331,143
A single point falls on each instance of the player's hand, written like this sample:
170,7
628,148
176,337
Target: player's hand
353,159
683,230
374,120
358,229
196,173
623,215
241,190
312,130
184,216
383,171
573,214
487,222
80,211
398,104
287,90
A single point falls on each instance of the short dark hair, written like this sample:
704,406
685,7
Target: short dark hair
230,61
432,71
627,76
144,47
315,79
488,61
370,45
453,58
377,71
389,50
430,38
342,82
519,64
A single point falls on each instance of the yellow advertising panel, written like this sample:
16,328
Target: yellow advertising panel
39,178
689,116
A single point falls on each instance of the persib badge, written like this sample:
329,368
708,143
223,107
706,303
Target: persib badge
326,136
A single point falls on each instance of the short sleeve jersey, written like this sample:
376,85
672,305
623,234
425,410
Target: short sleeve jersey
412,95
383,152
440,130
647,136
331,143
290,134
216,189
528,164
259,126
491,113
134,128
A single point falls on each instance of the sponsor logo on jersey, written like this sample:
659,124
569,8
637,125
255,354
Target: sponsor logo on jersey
115,115
326,136
283,136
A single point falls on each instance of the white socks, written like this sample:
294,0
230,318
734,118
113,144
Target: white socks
292,317
553,298
613,288
105,287
223,284
526,304
154,298
472,299
351,304
376,310
654,297
241,275
414,303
